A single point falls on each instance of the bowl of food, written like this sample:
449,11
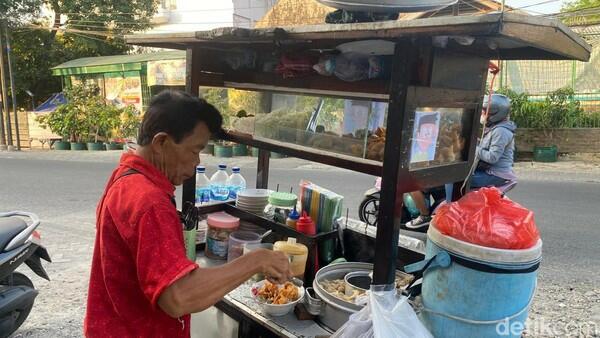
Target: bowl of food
277,300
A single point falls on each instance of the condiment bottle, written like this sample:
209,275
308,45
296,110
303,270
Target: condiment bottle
280,206
306,225
298,253
292,219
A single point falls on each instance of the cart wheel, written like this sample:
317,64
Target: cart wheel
19,316
368,211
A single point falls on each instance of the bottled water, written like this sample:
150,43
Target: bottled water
236,182
219,191
202,185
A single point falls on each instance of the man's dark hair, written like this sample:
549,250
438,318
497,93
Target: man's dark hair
177,113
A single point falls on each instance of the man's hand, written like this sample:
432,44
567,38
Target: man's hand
275,265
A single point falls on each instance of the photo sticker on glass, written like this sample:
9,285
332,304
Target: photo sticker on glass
425,135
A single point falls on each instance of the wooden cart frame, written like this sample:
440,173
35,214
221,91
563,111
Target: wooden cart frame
450,75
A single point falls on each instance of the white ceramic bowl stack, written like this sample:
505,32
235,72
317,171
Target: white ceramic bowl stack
253,200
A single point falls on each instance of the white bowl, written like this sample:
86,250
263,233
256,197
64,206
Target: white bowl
277,309
255,193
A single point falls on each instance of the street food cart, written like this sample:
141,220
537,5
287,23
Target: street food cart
437,66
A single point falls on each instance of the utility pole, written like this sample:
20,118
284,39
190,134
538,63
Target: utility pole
13,89
4,91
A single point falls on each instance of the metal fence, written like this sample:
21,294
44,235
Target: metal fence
538,78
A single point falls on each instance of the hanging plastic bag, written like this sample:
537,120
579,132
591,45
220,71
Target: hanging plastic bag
359,325
485,218
385,316
393,317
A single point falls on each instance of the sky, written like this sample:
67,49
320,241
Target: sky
548,6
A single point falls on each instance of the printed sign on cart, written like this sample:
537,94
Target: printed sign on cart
425,135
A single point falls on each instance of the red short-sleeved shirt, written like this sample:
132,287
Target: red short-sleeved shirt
139,251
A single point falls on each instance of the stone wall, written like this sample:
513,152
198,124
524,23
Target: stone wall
572,140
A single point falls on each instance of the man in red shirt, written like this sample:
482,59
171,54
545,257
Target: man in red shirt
142,284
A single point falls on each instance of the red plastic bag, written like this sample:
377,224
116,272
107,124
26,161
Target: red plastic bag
485,218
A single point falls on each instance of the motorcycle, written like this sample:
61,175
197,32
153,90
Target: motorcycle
19,243
368,210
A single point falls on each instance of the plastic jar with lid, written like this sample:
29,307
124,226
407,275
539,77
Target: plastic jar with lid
237,241
281,204
220,227
298,253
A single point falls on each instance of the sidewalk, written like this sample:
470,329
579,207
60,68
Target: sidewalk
581,167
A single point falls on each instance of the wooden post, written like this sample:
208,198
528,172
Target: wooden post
192,86
262,172
4,90
13,88
262,169
395,168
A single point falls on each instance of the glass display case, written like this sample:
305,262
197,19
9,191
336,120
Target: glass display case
439,136
343,126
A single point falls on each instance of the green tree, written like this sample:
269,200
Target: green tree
16,12
81,28
581,12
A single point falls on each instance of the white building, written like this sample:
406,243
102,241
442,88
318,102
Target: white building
197,15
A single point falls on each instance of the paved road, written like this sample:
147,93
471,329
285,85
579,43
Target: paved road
65,192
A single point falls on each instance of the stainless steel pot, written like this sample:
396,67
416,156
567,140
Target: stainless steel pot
335,312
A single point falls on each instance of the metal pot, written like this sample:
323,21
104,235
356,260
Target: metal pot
335,312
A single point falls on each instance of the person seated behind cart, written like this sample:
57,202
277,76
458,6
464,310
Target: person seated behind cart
495,154
142,284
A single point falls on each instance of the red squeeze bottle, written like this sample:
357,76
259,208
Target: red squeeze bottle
306,226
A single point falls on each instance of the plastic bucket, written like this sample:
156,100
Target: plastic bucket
78,146
479,292
240,150
223,151
114,146
95,146
61,145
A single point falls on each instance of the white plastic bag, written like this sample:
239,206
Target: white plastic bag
385,316
393,317
359,325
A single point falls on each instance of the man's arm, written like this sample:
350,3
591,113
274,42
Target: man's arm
203,287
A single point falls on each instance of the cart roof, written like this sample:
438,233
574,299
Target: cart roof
506,36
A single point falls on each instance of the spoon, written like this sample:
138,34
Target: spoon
267,233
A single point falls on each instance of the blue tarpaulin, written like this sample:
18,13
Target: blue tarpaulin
51,104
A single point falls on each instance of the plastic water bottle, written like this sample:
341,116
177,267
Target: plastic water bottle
202,186
219,191
236,182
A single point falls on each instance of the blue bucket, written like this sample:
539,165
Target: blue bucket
474,291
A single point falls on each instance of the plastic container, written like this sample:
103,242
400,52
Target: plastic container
306,225
475,289
220,227
236,182
297,253
356,67
237,242
219,191
202,186
281,204
292,219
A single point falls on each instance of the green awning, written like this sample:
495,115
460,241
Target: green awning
114,63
